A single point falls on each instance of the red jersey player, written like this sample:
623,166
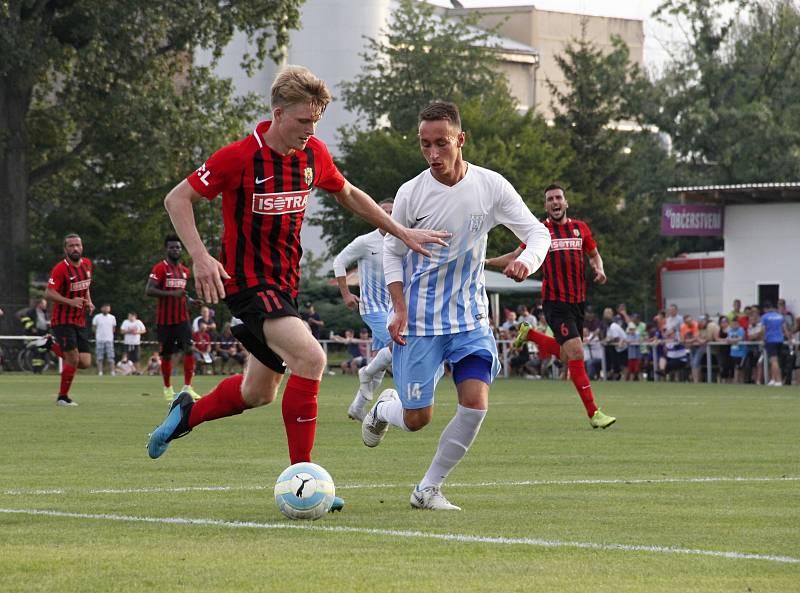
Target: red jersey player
68,290
167,282
564,294
266,180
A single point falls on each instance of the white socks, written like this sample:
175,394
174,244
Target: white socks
392,412
453,444
379,364
359,402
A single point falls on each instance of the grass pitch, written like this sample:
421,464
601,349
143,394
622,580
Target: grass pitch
694,489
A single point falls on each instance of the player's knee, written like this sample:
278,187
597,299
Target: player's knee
573,349
417,419
314,361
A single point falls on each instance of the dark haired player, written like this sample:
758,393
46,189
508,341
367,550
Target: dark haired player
68,290
167,282
564,294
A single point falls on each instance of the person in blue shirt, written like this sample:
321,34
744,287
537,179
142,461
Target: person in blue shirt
738,351
774,334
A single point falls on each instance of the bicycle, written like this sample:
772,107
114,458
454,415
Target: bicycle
36,350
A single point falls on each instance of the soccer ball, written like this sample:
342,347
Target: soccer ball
304,491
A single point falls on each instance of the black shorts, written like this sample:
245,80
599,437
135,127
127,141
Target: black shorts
70,337
565,319
132,350
676,364
773,348
175,337
252,306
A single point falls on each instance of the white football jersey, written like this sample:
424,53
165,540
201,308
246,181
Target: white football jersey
445,293
367,250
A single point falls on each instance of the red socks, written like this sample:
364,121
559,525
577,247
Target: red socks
577,372
299,408
547,345
55,348
225,400
67,375
188,368
166,370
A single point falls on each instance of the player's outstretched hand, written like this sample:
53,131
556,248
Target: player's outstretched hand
208,277
397,326
517,271
416,238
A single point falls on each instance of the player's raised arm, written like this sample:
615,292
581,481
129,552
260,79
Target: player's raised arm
208,272
358,202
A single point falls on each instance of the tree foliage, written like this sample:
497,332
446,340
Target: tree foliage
421,57
102,111
616,177
729,101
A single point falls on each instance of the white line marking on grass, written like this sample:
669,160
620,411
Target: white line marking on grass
23,492
160,490
454,537
701,480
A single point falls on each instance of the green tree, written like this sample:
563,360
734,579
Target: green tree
616,178
101,112
729,101
421,57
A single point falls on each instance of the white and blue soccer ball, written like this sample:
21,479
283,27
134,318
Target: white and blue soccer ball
304,491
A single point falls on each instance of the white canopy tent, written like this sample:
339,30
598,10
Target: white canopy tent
497,284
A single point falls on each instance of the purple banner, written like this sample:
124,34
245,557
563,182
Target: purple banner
696,220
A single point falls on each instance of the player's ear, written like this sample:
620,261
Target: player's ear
460,139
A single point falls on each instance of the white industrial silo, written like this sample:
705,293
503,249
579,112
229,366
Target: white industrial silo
329,42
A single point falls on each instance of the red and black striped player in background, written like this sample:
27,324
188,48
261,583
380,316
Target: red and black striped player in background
564,295
167,282
68,290
266,180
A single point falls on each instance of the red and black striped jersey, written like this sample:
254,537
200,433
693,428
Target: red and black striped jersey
70,281
264,198
170,310
563,276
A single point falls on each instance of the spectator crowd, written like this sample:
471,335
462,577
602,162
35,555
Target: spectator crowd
757,344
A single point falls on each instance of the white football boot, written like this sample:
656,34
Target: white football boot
372,429
356,409
431,498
